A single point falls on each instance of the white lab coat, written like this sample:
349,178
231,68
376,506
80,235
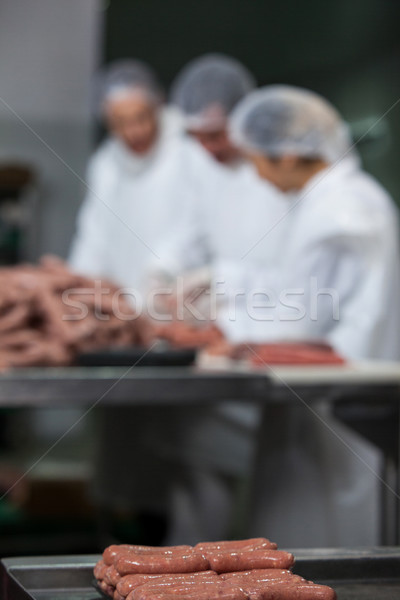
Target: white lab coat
338,268
133,203
239,224
217,443
238,210
316,482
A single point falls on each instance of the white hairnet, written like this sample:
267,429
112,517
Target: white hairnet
277,120
208,88
124,76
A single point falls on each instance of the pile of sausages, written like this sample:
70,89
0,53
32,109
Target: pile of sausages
251,569
182,335
48,315
281,353
288,353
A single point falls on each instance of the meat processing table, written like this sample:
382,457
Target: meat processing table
367,384
83,386
355,574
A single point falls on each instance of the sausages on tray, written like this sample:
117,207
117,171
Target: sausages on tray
251,569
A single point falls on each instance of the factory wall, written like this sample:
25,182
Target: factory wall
49,50
349,52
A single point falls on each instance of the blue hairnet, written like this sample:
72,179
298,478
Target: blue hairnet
208,88
278,120
127,75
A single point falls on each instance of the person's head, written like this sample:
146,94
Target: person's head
206,91
289,134
129,98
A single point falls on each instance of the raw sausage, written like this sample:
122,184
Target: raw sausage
99,569
175,587
260,574
111,553
111,576
236,545
129,582
223,562
221,590
107,589
286,591
177,562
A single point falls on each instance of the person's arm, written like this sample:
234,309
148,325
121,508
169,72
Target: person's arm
333,292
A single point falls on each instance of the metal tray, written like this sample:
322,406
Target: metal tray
357,574
162,355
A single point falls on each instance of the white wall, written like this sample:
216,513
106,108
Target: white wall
49,50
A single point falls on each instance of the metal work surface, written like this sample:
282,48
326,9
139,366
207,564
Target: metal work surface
216,380
315,381
83,386
359,574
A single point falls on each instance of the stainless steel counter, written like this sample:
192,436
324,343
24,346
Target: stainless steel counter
73,386
220,380
355,574
216,381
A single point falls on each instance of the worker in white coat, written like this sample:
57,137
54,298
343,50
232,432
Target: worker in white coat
218,442
316,483
142,182
205,92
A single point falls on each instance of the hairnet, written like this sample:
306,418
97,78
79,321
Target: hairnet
208,88
278,120
123,76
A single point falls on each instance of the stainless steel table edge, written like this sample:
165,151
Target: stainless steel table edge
31,578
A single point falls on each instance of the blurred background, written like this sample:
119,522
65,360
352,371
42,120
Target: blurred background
348,50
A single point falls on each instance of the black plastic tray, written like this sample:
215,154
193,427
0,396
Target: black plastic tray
359,574
160,356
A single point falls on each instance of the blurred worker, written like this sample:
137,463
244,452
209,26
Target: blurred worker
344,228
143,178
218,443
341,262
206,91
142,182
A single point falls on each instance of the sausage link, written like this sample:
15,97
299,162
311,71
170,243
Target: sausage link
99,569
111,576
107,589
177,588
258,574
180,562
236,545
129,582
287,591
257,589
111,553
221,590
288,578
223,562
